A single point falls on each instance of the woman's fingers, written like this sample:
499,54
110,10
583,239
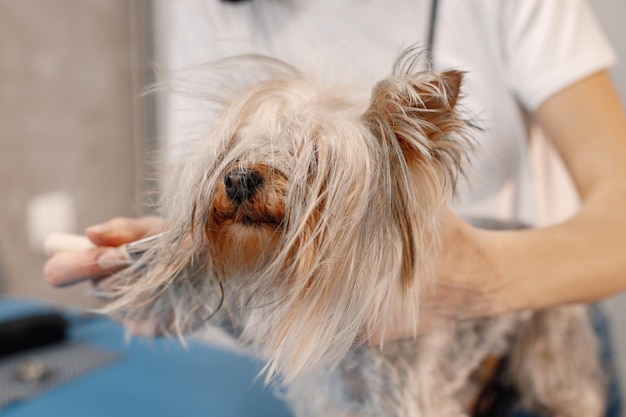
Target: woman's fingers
122,230
96,264
70,267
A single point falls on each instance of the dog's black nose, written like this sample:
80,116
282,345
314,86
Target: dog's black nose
241,184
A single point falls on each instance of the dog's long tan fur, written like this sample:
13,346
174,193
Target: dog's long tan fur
304,222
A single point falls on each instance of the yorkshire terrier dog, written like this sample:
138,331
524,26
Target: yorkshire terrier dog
307,221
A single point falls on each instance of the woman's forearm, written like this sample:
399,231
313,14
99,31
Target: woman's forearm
580,260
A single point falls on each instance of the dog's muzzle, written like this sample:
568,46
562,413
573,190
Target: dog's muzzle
242,184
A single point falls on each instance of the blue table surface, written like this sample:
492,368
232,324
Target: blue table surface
151,378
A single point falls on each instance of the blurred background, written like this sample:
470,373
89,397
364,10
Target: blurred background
75,129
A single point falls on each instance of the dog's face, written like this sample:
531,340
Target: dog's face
305,220
294,163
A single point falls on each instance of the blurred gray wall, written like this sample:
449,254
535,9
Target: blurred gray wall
612,14
68,123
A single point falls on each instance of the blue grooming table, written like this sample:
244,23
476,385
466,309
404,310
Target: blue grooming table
151,378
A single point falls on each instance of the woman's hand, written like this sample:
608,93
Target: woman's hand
71,267
468,280
468,275
580,260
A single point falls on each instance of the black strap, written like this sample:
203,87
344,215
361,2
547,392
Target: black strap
434,8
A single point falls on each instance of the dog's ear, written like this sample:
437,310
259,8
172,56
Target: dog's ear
413,117
435,92
417,110
447,90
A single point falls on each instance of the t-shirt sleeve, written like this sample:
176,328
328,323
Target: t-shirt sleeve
549,45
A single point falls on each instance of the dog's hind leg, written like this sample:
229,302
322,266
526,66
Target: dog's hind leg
556,367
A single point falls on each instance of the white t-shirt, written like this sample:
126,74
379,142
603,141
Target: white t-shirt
517,53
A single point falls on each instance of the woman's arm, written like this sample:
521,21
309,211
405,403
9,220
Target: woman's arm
584,258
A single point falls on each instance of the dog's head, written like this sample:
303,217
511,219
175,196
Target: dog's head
305,220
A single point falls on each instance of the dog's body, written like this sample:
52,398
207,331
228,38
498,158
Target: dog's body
305,223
